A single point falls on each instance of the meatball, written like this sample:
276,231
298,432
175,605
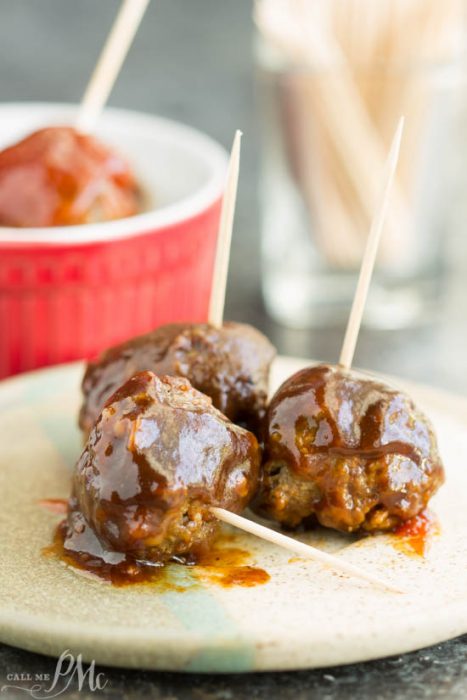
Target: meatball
229,364
346,451
158,457
59,177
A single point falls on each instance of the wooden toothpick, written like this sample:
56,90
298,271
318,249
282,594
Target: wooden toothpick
224,237
110,61
303,550
369,256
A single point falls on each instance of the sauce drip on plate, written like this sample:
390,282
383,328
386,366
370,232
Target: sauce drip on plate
415,536
227,566
54,505
220,564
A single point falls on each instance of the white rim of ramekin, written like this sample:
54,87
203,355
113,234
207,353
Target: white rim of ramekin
148,222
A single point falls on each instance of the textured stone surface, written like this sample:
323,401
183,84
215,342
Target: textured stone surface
432,674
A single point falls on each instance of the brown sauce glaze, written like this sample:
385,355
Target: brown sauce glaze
172,457
122,573
219,564
229,364
414,537
346,451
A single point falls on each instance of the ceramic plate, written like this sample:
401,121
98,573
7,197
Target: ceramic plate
305,615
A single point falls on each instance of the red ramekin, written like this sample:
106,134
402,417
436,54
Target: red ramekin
69,292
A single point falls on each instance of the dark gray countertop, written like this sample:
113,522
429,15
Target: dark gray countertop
192,61
435,673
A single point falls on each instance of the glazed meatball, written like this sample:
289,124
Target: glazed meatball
346,451
229,364
158,457
60,177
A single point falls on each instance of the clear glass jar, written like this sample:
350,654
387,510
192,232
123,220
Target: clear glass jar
324,145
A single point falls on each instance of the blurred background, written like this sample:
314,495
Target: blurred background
206,64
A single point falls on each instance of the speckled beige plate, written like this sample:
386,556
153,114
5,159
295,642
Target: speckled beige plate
304,617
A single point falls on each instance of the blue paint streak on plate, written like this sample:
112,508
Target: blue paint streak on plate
64,435
44,387
199,612
35,387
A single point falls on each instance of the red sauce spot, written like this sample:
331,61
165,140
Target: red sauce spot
54,505
415,535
